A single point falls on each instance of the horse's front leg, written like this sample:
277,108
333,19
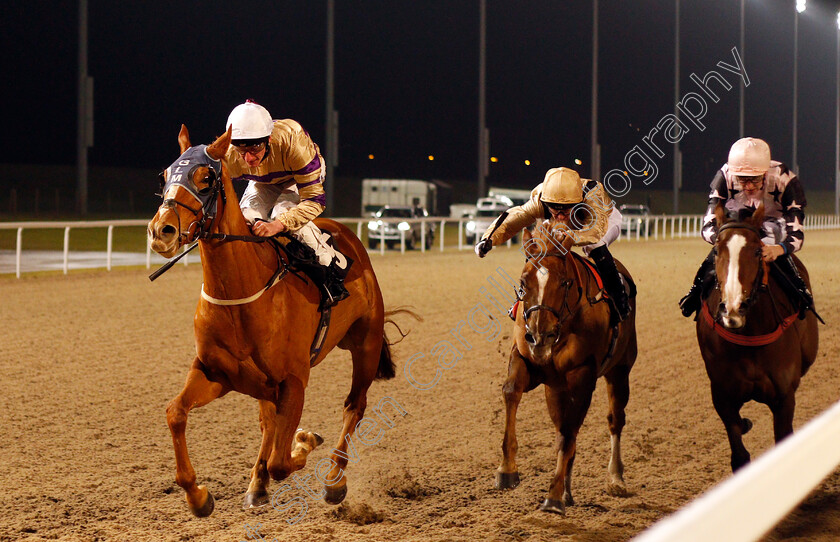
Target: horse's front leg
197,392
729,412
518,382
567,408
257,494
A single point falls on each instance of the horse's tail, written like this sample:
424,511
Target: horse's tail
387,369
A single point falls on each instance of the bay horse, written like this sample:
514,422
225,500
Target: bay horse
754,346
254,324
563,338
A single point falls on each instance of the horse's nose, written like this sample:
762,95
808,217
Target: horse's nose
742,308
162,231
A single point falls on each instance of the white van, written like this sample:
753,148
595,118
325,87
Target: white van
486,211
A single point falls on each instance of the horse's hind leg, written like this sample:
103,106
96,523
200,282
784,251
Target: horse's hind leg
729,412
518,382
618,391
197,392
257,494
364,340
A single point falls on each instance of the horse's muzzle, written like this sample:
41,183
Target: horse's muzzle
164,236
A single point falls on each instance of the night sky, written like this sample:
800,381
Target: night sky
406,81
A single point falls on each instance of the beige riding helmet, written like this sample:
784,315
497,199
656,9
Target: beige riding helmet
749,157
562,185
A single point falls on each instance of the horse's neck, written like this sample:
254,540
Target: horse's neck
235,269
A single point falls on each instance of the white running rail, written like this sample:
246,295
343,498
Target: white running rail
656,227
746,506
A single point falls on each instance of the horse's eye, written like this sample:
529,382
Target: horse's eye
204,191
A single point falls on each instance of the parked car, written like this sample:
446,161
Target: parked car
634,218
390,231
486,211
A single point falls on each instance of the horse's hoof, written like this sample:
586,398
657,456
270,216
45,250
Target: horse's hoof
553,506
506,480
335,495
318,438
568,500
205,509
255,499
615,489
746,425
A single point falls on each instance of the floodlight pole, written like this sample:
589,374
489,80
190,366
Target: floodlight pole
837,128
794,160
483,136
594,155
82,135
741,87
677,156
331,129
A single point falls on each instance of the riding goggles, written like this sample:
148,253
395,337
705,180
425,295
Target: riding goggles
753,180
253,149
560,207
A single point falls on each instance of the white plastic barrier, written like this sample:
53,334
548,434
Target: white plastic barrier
746,506
651,225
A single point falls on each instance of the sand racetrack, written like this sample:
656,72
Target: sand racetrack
89,361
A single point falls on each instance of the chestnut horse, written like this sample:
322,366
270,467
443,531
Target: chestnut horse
563,339
754,345
254,325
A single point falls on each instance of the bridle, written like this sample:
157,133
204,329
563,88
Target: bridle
181,173
566,286
761,278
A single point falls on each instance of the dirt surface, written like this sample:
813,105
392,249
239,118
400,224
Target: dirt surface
89,361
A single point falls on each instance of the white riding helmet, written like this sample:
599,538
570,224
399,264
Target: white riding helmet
250,121
749,157
562,185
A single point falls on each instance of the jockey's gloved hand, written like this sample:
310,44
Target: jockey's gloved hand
483,247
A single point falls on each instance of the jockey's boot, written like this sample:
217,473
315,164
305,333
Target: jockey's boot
691,302
788,268
612,282
333,289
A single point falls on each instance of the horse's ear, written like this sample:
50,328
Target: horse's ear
526,235
218,148
184,139
567,243
757,217
720,214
